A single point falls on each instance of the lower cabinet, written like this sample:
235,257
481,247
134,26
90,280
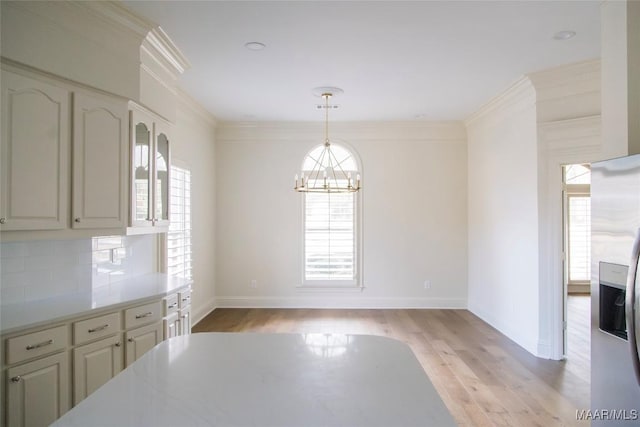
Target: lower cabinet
141,340
47,370
171,325
94,364
185,320
38,391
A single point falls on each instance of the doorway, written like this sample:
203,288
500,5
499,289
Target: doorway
577,265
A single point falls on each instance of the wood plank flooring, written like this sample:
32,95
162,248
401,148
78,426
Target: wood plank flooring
484,378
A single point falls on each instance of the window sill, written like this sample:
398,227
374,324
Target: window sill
330,288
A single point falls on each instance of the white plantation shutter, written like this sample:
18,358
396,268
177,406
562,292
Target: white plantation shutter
579,238
179,235
330,237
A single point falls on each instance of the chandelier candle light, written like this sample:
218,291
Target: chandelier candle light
327,175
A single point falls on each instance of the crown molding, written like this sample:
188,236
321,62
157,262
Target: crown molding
163,48
185,100
521,92
419,132
567,80
116,15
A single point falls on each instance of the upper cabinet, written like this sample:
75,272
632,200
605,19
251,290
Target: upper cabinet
150,154
35,155
65,166
100,163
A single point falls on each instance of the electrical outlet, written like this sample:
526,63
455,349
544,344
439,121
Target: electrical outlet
253,284
427,284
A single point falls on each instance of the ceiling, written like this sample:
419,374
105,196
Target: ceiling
395,60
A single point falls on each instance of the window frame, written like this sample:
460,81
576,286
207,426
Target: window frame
164,260
357,282
573,191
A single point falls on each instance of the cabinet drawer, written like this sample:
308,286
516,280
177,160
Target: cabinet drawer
143,314
185,297
97,327
171,304
36,344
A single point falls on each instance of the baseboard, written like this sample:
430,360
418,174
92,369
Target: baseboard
203,311
532,346
337,302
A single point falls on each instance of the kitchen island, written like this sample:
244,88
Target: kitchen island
250,379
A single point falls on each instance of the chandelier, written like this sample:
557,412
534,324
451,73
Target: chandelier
326,175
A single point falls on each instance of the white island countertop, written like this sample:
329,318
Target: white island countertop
15,317
251,379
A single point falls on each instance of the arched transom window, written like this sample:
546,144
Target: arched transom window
331,229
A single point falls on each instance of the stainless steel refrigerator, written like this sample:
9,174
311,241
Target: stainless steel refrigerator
615,292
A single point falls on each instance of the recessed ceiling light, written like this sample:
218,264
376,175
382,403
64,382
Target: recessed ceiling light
255,45
564,35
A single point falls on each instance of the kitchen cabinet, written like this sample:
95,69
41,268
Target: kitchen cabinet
150,154
51,366
35,154
185,320
141,340
100,162
38,391
94,364
65,166
171,325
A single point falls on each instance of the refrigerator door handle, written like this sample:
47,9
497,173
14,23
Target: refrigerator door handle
631,305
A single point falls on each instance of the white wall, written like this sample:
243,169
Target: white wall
620,77
414,214
503,215
194,147
518,143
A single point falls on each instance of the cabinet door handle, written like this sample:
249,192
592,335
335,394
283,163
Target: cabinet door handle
77,220
117,344
173,305
140,316
16,379
130,340
185,299
41,344
99,328
3,220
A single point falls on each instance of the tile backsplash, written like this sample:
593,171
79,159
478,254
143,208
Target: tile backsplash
37,270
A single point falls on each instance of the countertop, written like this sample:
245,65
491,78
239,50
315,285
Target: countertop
15,317
251,379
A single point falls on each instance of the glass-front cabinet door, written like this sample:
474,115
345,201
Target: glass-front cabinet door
141,173
151,165
161,198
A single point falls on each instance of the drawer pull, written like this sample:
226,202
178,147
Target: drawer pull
130,340
42,344
185,299
16,379
117,344
3,220
99,328
173,305
140,316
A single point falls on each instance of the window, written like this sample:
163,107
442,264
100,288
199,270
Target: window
578,223
331,228
179,262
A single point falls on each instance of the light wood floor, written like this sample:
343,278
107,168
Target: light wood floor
484,378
